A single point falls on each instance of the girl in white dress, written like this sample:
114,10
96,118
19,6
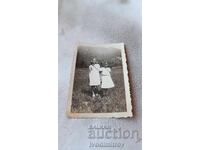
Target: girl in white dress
106,80
94,77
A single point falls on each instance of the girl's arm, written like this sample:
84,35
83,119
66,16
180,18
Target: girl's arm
90,68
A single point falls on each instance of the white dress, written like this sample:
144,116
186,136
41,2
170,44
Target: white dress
106,79
94,75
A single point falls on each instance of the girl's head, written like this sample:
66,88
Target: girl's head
106,64
91,62
94,61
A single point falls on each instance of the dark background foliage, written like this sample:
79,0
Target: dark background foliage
110,55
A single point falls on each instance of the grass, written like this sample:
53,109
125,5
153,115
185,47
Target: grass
82,101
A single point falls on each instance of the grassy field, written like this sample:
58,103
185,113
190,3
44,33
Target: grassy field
82,102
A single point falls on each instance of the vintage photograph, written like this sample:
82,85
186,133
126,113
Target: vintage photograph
99,83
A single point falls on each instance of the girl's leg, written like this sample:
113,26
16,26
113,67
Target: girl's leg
93,91
96,90
105,92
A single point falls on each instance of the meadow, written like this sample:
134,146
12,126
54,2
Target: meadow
82,101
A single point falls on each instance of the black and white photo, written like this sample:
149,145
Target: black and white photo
99,83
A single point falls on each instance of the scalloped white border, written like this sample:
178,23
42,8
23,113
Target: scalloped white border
128,113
